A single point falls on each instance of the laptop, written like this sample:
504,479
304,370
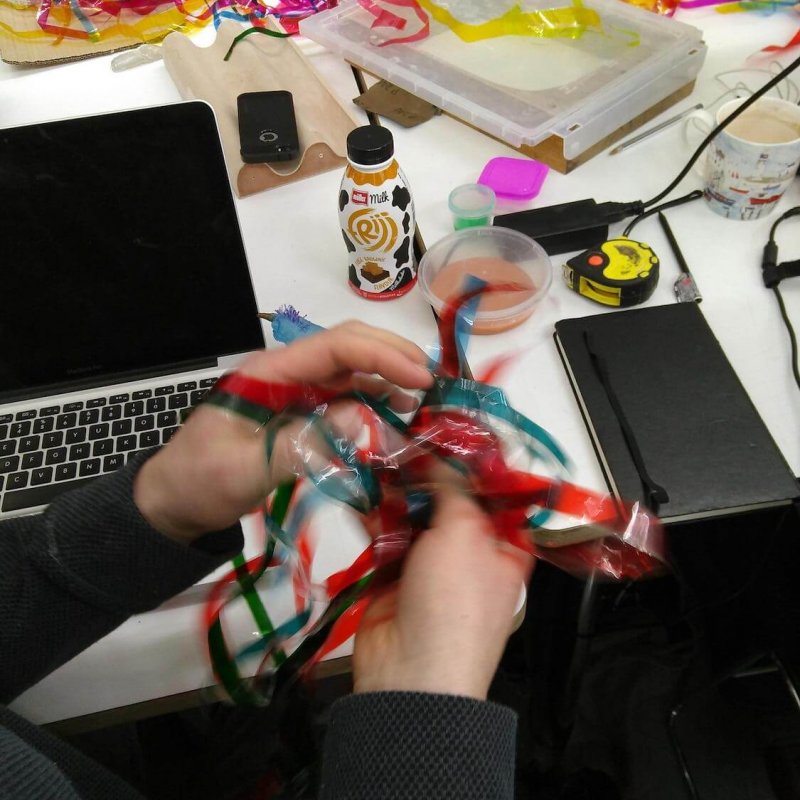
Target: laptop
124,294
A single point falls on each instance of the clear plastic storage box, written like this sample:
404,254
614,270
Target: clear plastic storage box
525,90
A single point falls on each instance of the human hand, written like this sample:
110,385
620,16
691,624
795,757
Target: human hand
444,626
214,469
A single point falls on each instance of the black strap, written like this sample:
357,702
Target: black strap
774,274
655,494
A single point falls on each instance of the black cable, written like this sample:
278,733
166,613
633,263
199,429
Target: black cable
687,198
769,261
730,118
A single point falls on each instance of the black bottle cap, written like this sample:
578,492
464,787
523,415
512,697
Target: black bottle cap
370,144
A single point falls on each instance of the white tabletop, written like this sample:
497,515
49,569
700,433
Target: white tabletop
292,240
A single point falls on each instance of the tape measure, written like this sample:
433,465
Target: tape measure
619,272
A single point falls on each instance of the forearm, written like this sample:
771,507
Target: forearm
411,745
77,571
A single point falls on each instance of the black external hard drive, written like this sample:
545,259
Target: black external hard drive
267,127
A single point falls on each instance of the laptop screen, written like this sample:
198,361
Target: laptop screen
120,250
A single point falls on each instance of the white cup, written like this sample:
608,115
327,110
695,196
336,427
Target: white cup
750,163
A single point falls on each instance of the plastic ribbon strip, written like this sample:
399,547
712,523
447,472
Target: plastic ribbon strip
409,17
386,475
148,21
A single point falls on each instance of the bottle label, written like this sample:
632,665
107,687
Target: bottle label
377,221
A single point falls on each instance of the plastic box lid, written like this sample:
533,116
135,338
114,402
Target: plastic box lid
523,89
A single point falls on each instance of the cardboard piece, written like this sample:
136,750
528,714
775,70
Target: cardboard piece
390,101
261,63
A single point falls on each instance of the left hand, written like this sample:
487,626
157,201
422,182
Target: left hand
214,470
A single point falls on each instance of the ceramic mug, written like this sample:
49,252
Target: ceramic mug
750,163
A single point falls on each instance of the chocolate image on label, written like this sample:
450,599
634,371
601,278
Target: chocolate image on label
374,272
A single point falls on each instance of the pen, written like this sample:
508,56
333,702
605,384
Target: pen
650,131
685,288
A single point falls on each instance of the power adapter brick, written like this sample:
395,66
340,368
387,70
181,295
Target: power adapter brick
569,227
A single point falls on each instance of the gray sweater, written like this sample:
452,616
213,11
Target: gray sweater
76,572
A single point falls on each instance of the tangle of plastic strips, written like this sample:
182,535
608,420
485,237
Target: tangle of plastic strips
473,22
386,478
149,21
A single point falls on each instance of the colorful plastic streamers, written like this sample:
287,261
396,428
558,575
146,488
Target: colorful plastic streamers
464,19
148,20
387,474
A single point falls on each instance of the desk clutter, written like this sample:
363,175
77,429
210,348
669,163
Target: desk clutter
257,64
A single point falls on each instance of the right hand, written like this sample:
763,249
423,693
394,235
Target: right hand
444,627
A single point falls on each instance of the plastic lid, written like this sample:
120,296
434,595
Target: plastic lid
518,178
472,200
370,144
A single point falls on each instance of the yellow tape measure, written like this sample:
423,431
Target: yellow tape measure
619,272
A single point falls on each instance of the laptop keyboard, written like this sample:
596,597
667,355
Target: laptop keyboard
50,449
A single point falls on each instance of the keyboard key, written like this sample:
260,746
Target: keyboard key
9,464
8,447
89,416
110,463
198,396
49,411
110,413
65,472
65,421
167,434
76,406
96,402
99,431
167,419
19,480
187,386
3,431
28,444
55,439
79,451
27,414
43,425
156,404
149,439
2,479
144,423
179,400
31,460
18,429
207,382
103,447
134,409
76,436
38,495
90,467
40,476
161,390
56,455
142,394
126,443
121,427
119,398
6,418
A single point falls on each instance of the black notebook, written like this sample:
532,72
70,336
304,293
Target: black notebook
671,422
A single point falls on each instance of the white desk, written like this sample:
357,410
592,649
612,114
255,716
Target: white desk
292,240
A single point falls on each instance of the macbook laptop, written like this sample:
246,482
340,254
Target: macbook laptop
124,291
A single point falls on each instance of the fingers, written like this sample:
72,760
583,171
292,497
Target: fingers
333,356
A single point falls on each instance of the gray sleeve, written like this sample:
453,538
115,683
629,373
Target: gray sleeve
407,745
77,571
